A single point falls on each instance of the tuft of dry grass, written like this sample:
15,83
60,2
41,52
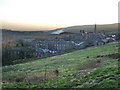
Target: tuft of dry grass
40,76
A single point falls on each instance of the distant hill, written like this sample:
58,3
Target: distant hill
106,28
13,35
90,28
10,34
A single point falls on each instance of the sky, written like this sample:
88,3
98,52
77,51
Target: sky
52,14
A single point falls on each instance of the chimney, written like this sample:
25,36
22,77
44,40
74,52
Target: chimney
95,30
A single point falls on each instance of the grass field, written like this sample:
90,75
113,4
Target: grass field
94,67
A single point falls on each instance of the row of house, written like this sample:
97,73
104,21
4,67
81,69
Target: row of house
43,48
75,42
53,44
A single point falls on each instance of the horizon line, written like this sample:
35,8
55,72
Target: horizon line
58,27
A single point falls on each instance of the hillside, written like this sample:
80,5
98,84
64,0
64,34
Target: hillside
94,67
10,35
90,28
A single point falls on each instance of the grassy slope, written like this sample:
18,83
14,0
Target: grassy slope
69,65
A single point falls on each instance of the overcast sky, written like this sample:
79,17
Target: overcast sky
51,14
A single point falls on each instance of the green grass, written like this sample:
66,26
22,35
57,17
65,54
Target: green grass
68,65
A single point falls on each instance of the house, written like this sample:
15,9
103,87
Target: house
54,44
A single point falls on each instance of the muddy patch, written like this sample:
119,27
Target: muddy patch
12,79
113,55
90,64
